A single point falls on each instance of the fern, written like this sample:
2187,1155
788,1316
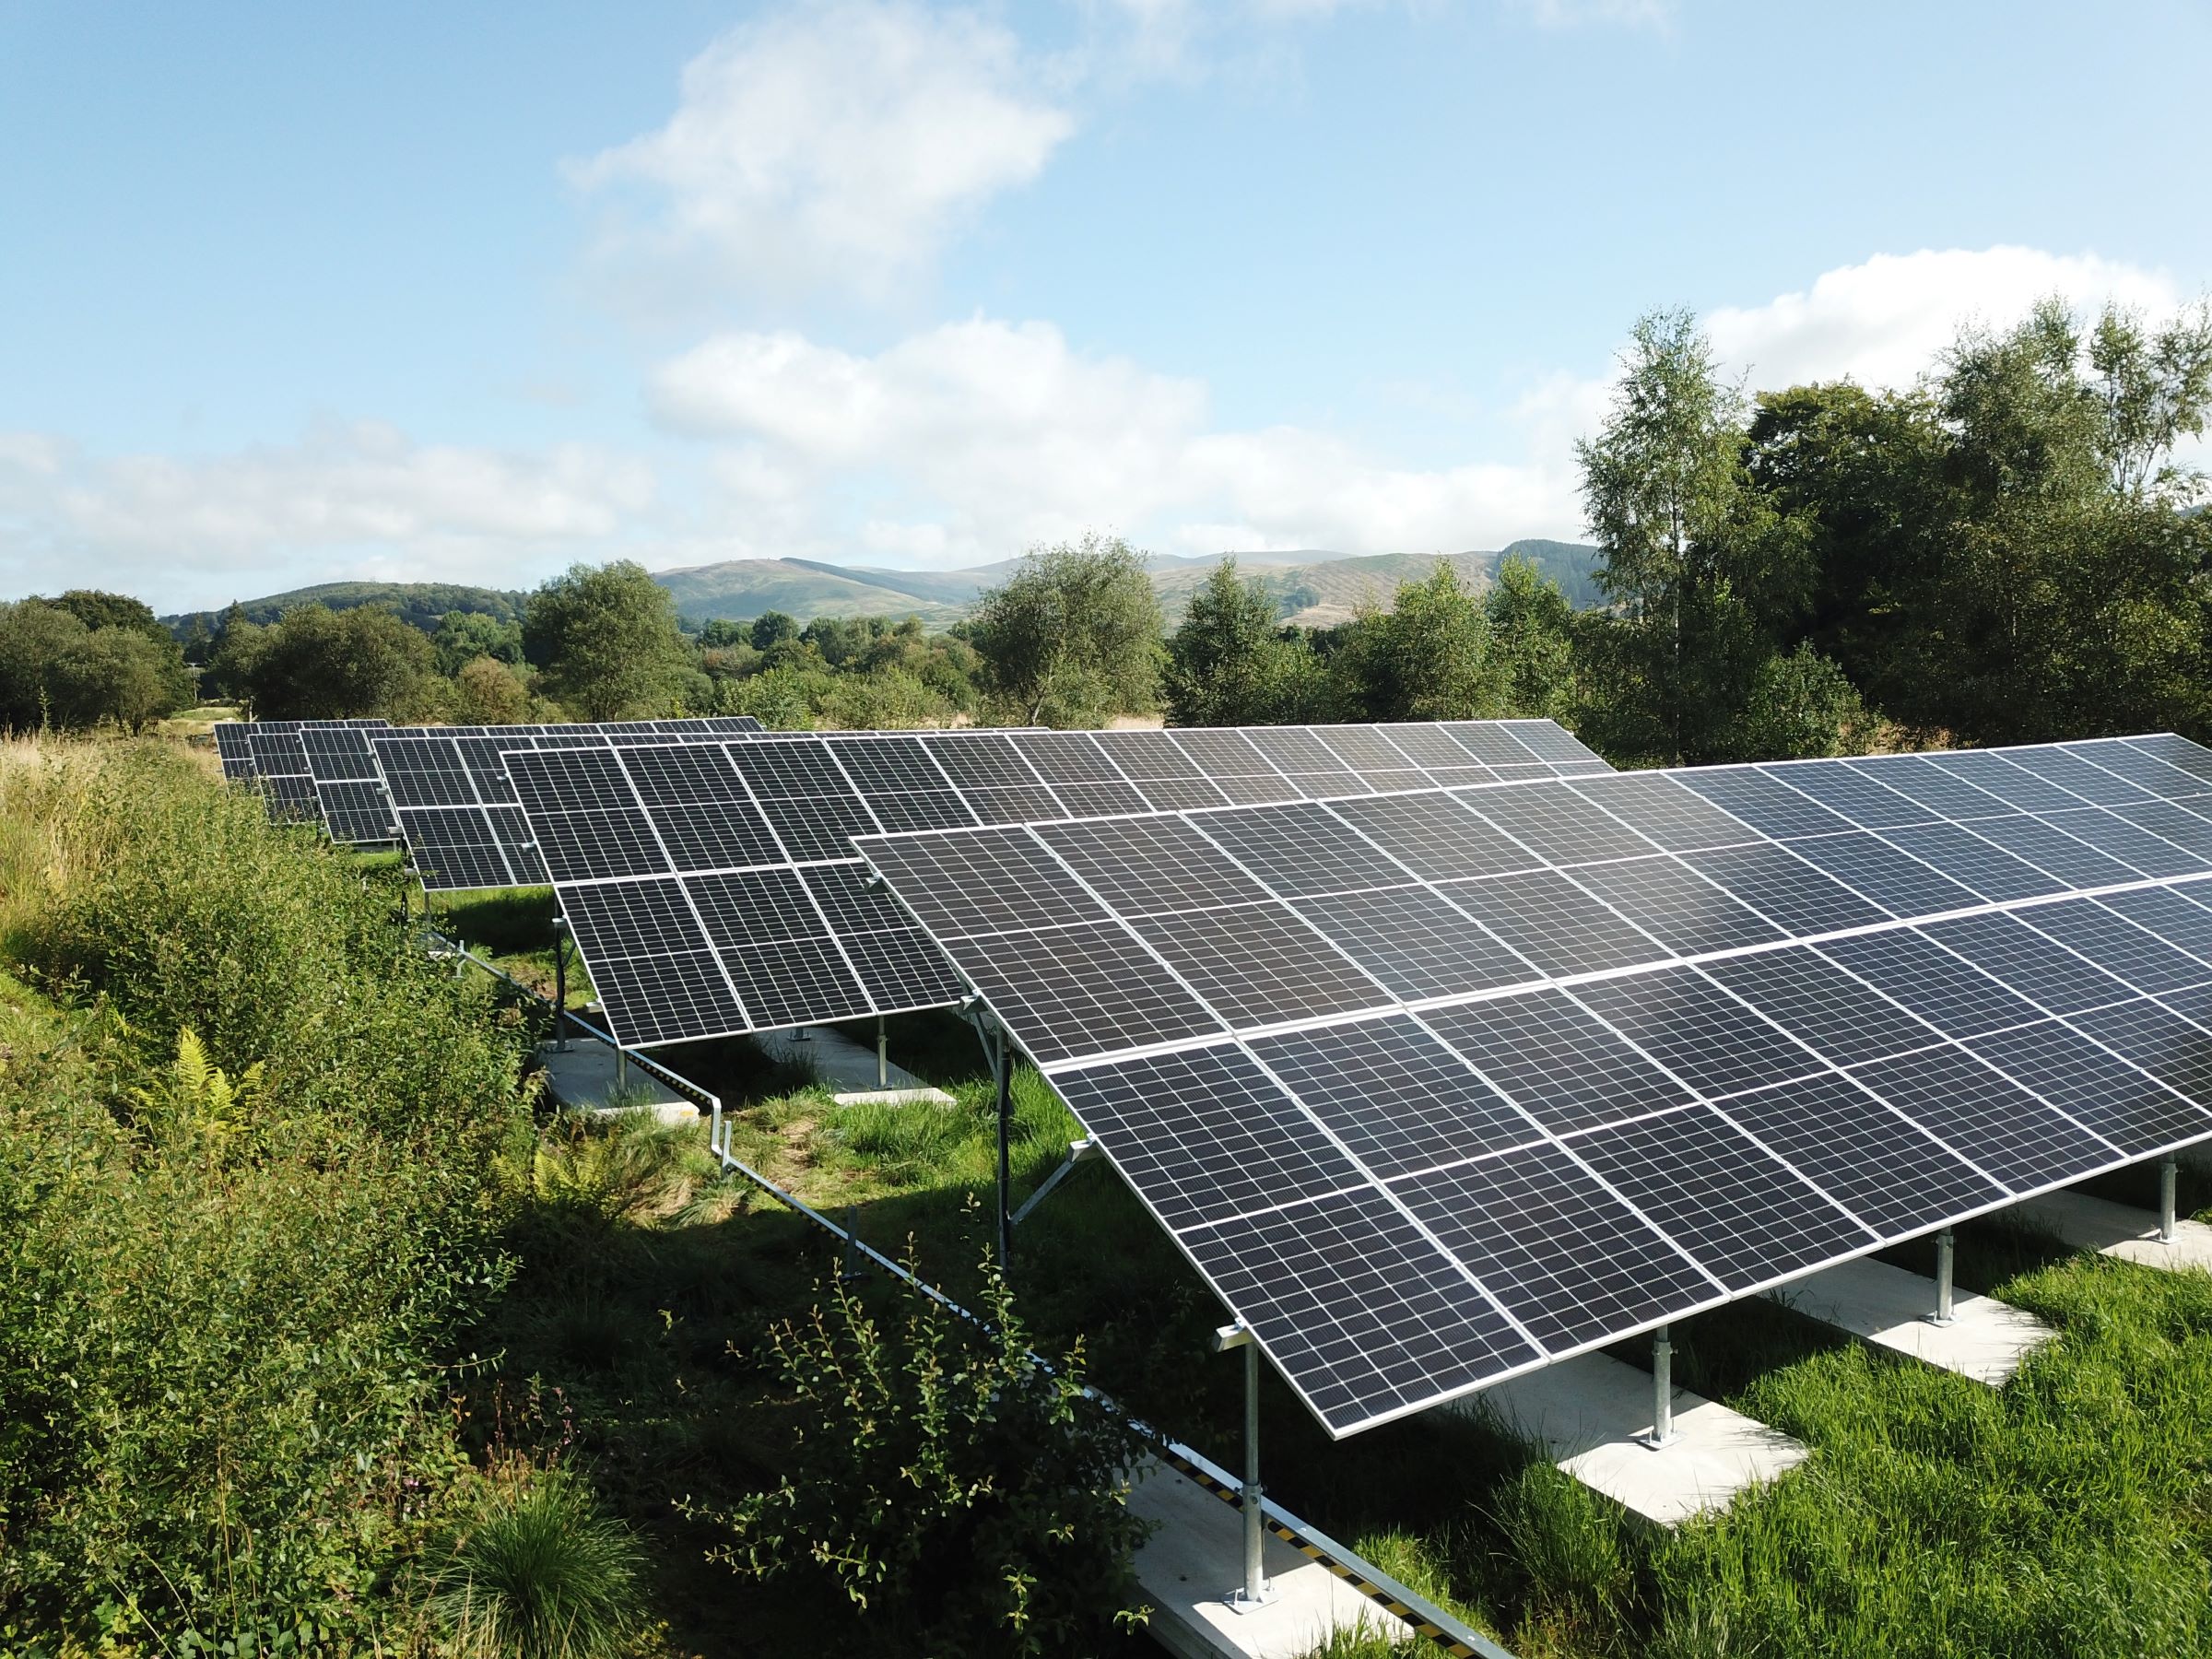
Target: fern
196,1094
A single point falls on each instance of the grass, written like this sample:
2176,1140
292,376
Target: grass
2070,1512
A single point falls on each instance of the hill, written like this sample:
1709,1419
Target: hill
1318,587
421,603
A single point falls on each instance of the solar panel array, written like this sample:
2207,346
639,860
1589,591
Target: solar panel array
448,796
273,755
1440,1087
716,890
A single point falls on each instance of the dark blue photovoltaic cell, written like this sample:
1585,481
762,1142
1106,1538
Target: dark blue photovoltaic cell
1365,1314
1503,1218
1744,1217
2094,1086
1396,1098
1862,799
1762,800
1986,1118
1785,889
1895,880
2045,972
1205,1134
1890,1175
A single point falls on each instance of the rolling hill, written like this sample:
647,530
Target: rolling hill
1320,588
421,603
1316,588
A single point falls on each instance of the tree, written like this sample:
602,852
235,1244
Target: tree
606,642
95,608
463,636
772,628
1072,636
1663,486
55,670
488,692
316,663
1531,640
1425,658
1231,663
947,1482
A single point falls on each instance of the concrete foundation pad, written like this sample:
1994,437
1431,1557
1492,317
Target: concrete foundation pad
585,1077
1594,1414
2119,1230
1195,1559
1987,1339
849,1068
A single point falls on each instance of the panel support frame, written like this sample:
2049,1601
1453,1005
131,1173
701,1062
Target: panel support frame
2168,1171
1257,1591
1946,1290
1662,1391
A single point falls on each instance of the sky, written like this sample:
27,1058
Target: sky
295,294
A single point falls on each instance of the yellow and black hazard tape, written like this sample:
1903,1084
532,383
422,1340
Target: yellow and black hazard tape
1461,1644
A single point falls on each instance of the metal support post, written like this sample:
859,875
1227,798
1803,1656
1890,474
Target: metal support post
621,1069
1942,1316
883,1055
1663,1389
560,986
2168,1169
1002,1060
1256,1592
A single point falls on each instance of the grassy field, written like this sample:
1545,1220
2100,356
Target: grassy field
2070,1514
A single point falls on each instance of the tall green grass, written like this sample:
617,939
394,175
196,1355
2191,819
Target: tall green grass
223,1354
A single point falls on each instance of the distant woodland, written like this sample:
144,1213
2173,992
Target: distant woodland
2008,550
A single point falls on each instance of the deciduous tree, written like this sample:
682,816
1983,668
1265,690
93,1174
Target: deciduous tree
606,642
1072,636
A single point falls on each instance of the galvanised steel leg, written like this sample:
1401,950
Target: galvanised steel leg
1663,1389
560,990
883,1055
1002,1053
1942,1316
1256,1591
2168,1169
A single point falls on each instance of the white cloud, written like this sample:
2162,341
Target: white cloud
834,143
1884,322
976,439
1576,14
352,502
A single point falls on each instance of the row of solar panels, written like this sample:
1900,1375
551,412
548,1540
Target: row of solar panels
323,772
1440,1087
1439,1081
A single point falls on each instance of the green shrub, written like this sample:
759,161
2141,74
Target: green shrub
249,1206
539,1573
948,1484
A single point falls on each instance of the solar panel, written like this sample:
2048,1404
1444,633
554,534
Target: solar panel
1209,911
1565,1060
288,760
451,799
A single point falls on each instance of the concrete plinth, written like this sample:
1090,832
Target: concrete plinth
848,1069
2119,1230
1190,1565
1987,1339
1593,1412
586,1079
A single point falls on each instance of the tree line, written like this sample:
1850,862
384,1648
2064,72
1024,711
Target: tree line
2005,551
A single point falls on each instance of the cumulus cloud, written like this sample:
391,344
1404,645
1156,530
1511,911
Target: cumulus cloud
359,500
977,438
835,143
1884,322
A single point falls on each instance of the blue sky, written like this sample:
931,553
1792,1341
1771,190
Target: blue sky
297,294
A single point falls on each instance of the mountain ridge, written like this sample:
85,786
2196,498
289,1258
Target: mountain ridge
1315,588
